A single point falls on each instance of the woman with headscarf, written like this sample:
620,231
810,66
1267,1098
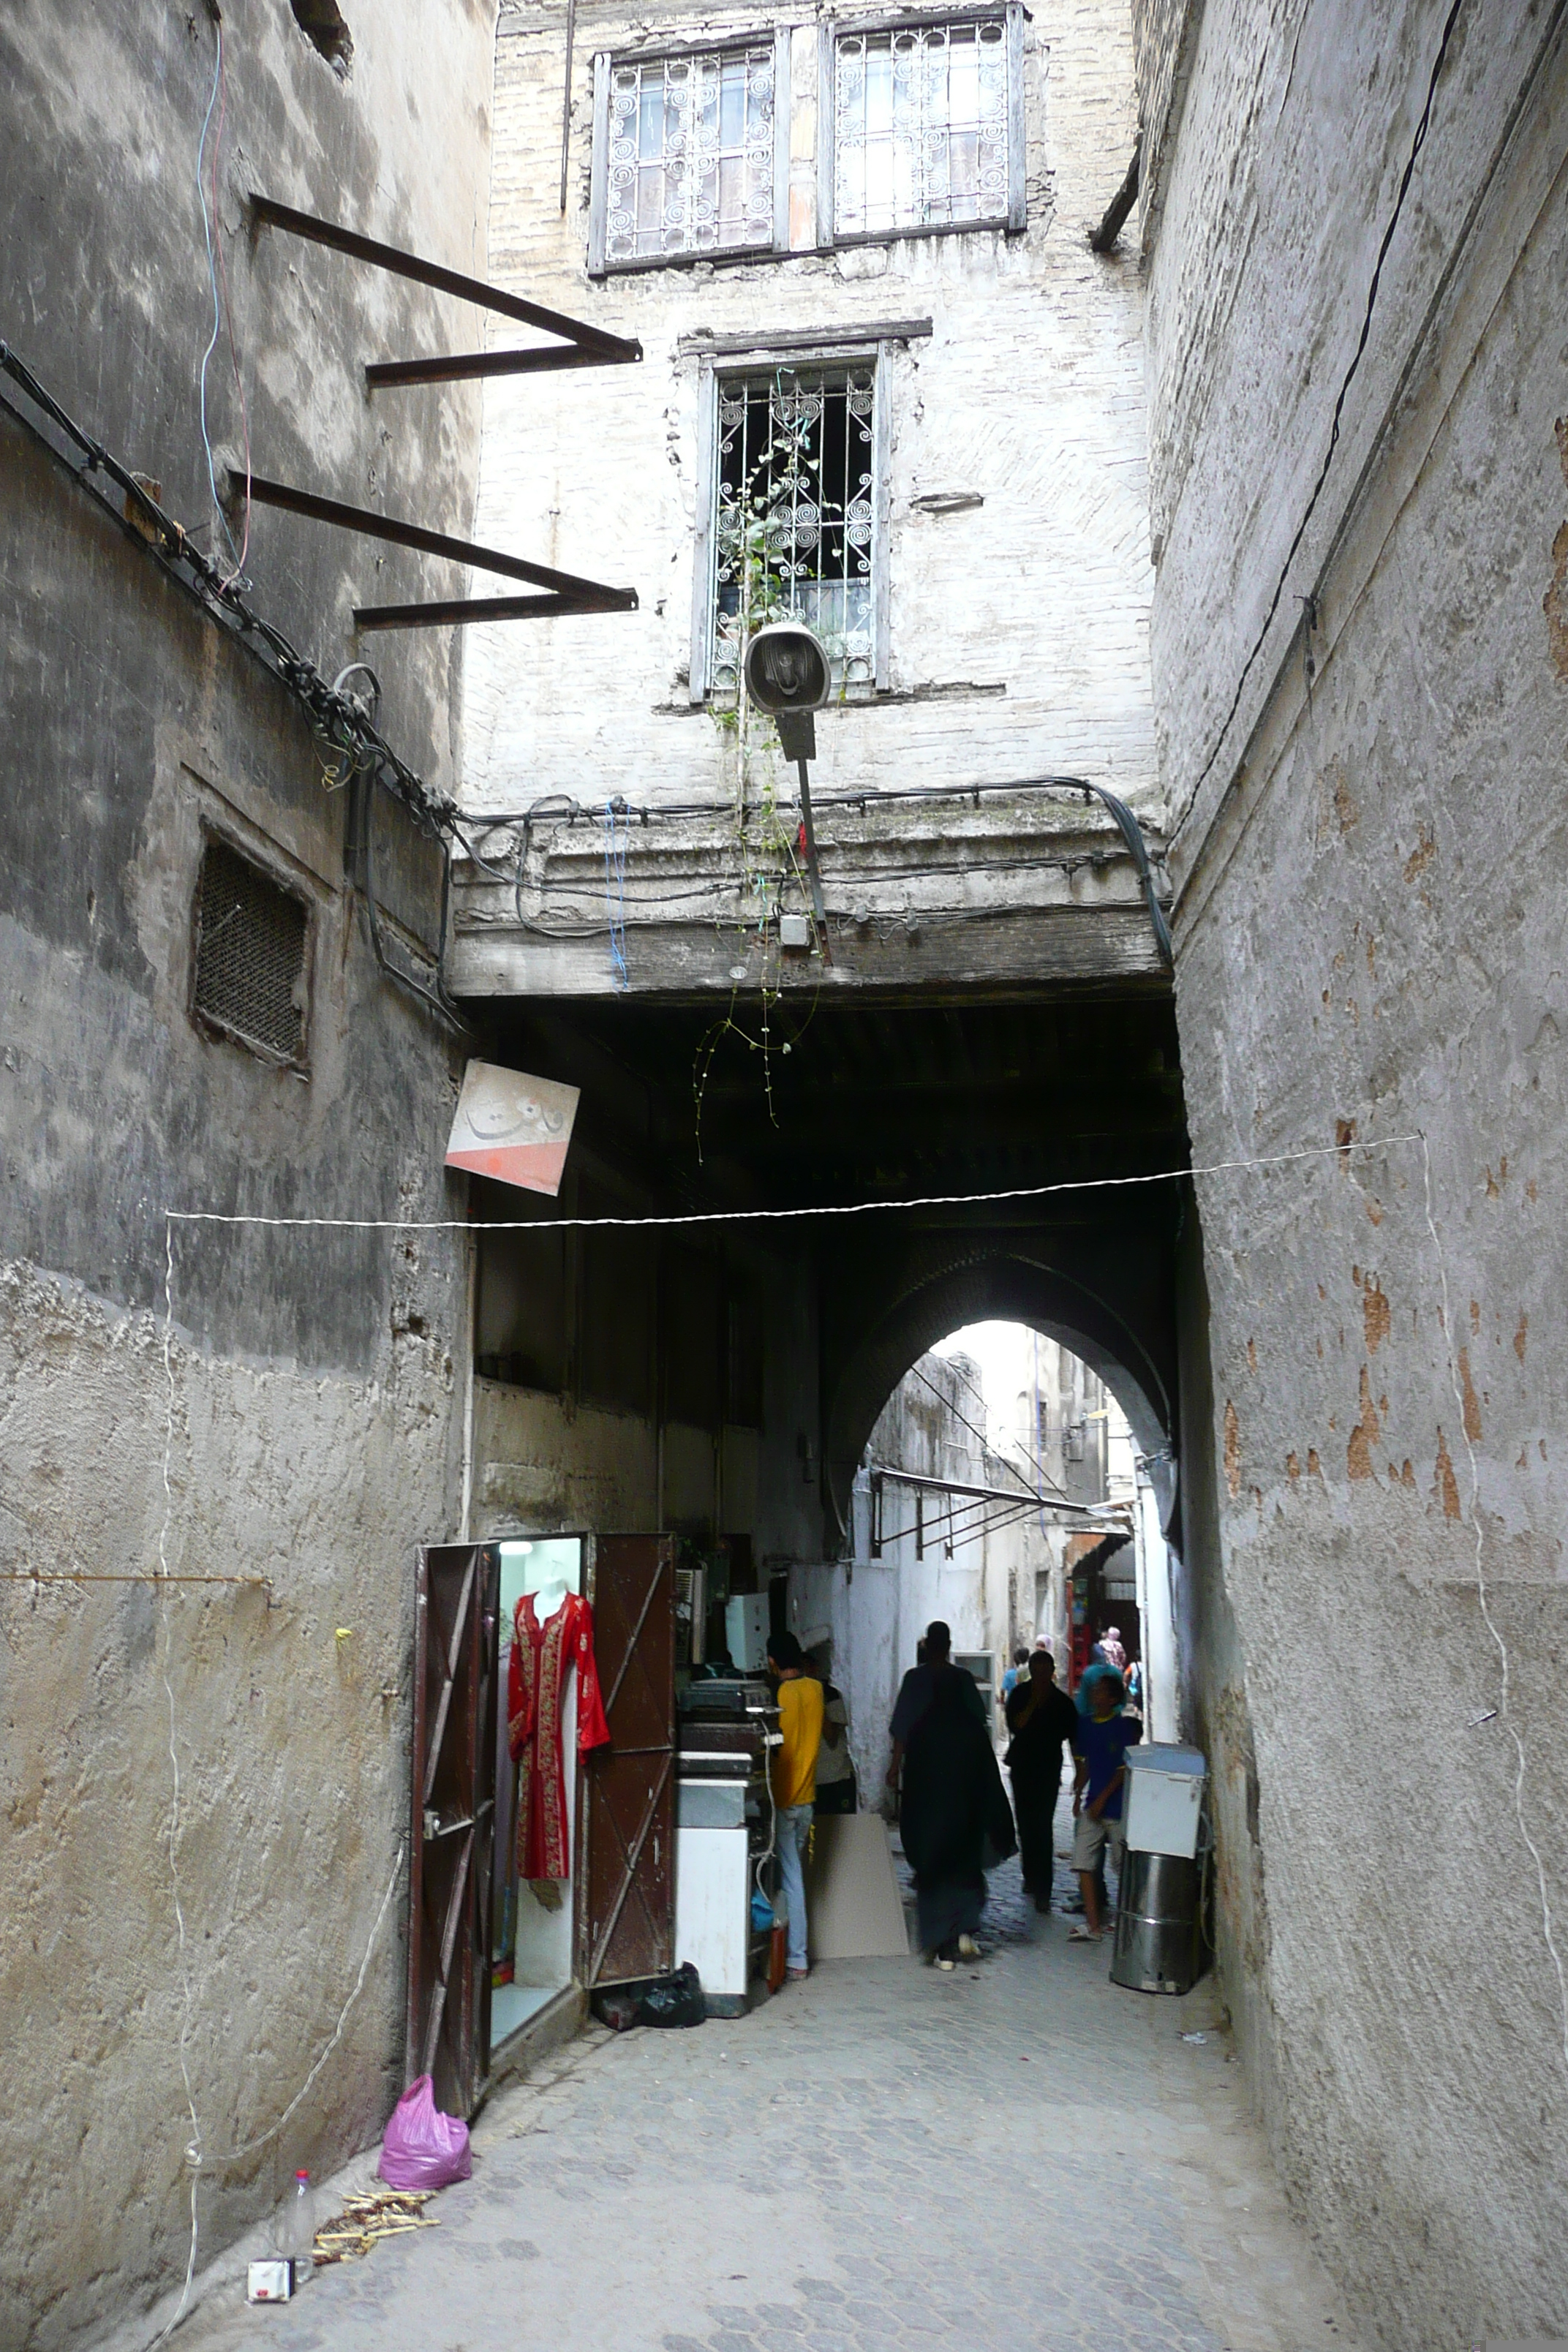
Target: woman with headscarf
954,1818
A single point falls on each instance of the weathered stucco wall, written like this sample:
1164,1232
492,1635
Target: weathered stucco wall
310,1377
1369,947
288,1713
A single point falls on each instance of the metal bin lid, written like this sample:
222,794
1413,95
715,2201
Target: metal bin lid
1153,1756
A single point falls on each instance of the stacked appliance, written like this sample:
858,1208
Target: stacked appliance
727,1730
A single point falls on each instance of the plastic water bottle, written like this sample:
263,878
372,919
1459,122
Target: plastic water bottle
299,2231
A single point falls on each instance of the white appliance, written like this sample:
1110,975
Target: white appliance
712,1909
1164,1798
746,1631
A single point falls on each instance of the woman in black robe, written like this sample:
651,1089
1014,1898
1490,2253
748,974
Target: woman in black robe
955,1820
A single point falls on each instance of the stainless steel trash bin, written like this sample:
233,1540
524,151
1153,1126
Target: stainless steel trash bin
1157,1942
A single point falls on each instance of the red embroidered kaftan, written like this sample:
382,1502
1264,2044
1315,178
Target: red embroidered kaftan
542,1656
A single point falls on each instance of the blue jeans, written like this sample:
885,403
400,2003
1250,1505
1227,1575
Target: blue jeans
794,1829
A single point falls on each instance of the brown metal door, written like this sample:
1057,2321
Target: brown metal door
627,1919
452,1837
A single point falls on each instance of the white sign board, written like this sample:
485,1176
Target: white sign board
513,1127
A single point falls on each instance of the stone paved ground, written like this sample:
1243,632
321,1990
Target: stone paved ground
882,2160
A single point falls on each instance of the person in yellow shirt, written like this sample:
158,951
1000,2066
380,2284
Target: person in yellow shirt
795,1779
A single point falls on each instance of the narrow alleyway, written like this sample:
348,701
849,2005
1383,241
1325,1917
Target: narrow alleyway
883,2157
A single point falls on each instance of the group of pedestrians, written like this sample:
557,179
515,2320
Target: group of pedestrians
953,1813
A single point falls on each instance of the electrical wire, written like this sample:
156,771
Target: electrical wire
615,889
339,723
984,1441
197,2157
338,719
1341,1152
1041,1472
212,282
1493,1629
215,240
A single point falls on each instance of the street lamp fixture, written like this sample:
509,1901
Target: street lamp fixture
788,675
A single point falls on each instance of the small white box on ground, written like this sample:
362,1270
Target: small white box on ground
1164,1798
269,2282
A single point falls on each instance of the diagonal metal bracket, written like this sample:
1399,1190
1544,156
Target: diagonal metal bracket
566,592
581,344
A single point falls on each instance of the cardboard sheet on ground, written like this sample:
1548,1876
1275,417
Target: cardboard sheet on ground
852,1898
511,1127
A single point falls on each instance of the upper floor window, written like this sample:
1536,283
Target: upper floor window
923,128
687,159
917,127
795,516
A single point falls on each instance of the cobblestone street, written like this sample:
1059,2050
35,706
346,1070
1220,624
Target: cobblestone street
882,2157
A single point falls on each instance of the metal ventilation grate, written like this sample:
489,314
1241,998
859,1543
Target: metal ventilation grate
250,956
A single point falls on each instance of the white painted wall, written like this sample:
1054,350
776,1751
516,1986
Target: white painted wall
1028,392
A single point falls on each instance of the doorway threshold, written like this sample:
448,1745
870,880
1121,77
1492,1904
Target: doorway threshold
558,2018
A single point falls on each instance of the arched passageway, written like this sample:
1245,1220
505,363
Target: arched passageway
1106,1297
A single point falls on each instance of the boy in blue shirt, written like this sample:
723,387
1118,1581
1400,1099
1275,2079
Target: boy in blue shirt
1099,1770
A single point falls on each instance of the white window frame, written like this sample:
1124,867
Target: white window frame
600,264
835,28
865,352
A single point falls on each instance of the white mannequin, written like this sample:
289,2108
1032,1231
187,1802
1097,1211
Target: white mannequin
547,1598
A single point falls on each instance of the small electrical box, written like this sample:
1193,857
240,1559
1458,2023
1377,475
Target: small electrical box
794,931
269,2282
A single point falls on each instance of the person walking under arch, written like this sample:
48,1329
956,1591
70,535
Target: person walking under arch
956,1822
1042,1720
1101,1741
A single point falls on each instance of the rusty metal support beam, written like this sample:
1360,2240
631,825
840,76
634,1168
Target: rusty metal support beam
462,611
598,348
1102,239
462,367
569,592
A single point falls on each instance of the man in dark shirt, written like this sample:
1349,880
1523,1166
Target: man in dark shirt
919,1686
1101,1742
1042,1720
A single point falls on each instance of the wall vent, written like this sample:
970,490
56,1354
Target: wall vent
252,934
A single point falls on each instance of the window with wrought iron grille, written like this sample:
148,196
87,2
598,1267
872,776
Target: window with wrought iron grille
690,157
925,128
251,956
793,524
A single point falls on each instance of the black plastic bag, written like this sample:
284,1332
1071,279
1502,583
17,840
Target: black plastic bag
674,2000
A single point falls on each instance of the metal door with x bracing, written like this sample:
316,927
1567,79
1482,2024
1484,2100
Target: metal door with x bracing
453,1827
625,1918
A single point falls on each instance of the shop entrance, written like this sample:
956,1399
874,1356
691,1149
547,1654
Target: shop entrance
542,1814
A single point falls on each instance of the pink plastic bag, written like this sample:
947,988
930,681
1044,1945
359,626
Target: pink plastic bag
422,2147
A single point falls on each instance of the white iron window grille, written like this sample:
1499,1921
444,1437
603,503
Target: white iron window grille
928,128
795,515
685,157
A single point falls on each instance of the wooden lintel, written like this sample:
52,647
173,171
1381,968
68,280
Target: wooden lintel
1002,953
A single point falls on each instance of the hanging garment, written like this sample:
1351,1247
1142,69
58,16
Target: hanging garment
541,1657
